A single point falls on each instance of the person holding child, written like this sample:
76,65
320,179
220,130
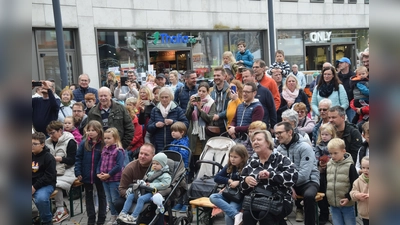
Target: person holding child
341,174
360,87
364,149
86,161
230,176
360,191
158,178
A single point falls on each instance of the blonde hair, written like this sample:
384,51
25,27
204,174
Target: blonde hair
114,79
300,106
70,92
365,128
230,56
114,132
175,73
149,93
336,143
132,100
295,78
267,138
258,125
328,128
365,158
150,77
361,69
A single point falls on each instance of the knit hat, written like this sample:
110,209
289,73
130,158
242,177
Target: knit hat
161,158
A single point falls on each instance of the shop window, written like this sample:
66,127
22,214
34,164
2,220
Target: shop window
352,1
366,1
318,1
338,1
289,0
291,42
252,40
46,39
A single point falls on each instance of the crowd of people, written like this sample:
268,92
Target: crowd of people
109,138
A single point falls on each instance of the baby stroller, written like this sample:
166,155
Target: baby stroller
150,214
214,157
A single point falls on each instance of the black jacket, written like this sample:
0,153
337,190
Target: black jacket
353,140
43,169
345,78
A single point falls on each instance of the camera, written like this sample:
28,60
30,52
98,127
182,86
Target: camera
197,99
36,83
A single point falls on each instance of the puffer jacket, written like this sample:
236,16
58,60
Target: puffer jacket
162,136
86,161
184,153
162,181
246,57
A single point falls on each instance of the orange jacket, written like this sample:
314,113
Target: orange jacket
270,83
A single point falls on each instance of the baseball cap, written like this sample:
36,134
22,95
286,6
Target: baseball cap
344,59
160,75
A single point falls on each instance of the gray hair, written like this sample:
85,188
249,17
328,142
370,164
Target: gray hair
105,89
84,74
292,116
326,101
166,90
338,109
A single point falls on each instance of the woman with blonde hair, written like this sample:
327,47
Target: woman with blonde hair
174,79
111,82
229,62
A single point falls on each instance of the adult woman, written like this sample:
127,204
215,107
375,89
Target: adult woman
131,91
66,104
200,114
291,93
268,170
63,147
305,123
111,82
162,117
236,99
329,86
145,104
292,117
174,79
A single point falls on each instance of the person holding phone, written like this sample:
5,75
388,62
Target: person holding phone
236,96
132,90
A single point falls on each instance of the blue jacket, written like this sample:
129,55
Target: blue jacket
44,111
247,58
266,99
79,94
182,95
87,161
184,153
223,176
162,136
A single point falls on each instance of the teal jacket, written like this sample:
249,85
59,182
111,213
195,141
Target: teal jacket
338,98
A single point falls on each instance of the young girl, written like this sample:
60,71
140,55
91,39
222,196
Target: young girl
69,125
229,62
109,169
326,133
150,82
87,159
137,141
229,175
360,191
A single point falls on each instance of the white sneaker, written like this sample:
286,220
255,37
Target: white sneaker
238,218
113,220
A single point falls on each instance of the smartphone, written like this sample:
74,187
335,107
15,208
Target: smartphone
233,88
36,83
146,102
198,99
123,81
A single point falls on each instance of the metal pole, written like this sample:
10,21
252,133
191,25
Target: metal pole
271,30
60,43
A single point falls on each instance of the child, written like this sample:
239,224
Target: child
280,64
360,191
109,169
364,150
90,101
87,159
341,174
244,56
360,86
69,125
158,178
326,133
150,82
43,177
229,176
137,141
229,62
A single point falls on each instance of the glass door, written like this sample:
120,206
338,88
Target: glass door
345,50
316,56
182,60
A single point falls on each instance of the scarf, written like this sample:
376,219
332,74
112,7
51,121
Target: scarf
365,178
325,90
66,103
165,110
199,124
290,96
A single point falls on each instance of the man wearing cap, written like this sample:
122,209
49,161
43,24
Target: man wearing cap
345,74
161,80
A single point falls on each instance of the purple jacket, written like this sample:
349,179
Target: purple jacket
111,162
77,135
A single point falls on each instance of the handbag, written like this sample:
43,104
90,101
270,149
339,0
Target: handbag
232,194
213,131
260,199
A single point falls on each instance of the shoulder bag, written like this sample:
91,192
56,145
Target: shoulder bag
260,199
233,194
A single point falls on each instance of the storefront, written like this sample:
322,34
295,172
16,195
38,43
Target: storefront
145,51
309,49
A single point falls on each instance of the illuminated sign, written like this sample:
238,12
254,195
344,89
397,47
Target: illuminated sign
320,36
177,39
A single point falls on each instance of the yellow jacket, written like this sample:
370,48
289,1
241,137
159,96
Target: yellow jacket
231,110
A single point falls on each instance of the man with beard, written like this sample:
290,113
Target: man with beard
345,74
259,68
220,93
78,112
182,95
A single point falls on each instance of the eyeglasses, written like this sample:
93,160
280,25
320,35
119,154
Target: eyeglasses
77,111
279,133
322,109
35,144
248,92
52,133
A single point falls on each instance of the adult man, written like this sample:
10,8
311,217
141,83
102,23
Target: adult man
44,109
78,112
182,95
365,58
161,80
79,93
264,96
345,74
113,114
248,111
302,155
220,93
135,170
323,108
345,130
259,68
300,76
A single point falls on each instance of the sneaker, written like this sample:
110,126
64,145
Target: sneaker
285,218
177,207
60,216
113,220
299,215
122,216
238,218
131,219
183,209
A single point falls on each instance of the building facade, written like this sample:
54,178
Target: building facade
103,35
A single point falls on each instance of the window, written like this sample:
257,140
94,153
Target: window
366,1
318,1
352,1
289,0
291,42
338,1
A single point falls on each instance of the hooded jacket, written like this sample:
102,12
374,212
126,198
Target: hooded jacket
43,169
247,58
361,186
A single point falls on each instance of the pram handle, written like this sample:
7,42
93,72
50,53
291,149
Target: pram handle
210,162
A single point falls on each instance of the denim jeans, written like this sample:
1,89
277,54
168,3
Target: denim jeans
128,203
350,114
230,208
343,215
42,201
140,203
112,194
126,157
90,203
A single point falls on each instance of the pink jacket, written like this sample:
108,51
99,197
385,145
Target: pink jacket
77,135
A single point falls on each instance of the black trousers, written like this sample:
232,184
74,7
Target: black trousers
269,219
90,209
308,191
323,204
365,221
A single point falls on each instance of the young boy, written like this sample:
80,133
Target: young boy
90,101
43,177
360,191
341,174
280,64
244,56
158,178
364,150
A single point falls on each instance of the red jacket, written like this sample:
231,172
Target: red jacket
364,110
137,140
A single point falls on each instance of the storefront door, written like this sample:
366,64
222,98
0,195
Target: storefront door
316,56
182,60
344,50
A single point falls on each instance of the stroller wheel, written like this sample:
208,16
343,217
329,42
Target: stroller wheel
181,221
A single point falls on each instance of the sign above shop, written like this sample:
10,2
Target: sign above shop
320,36
177,39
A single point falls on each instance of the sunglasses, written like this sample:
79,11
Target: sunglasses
321,109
